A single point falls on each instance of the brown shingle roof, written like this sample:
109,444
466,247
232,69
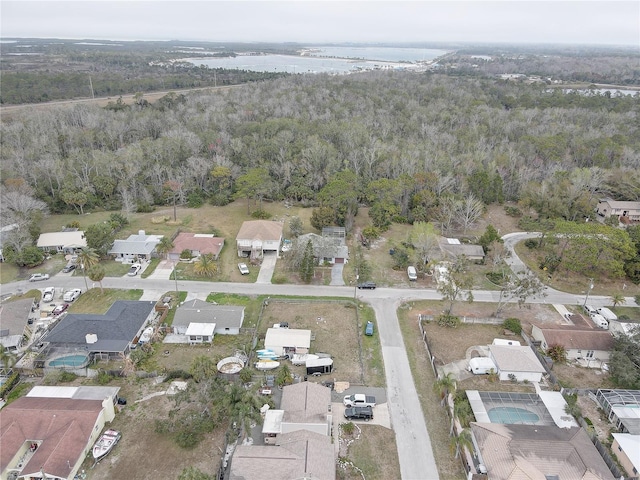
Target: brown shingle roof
535,451
572,338
300,454
305,402
62,427
261,230
203,244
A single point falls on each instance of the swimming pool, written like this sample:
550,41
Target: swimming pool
511,415
70,361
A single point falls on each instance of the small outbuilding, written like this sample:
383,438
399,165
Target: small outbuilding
516,362
287,341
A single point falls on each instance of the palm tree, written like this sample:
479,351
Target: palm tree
461,442
96,274
165,246
617,299
88,257
445,385
242,407
205,266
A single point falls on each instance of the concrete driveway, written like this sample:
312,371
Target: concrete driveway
268,266
336,274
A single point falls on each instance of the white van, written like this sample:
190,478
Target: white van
600,321
590,310
607,314
412,273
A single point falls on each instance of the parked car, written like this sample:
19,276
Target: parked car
48,294
71,295
69,268
135,268
368,330
359,413
412,273
244,270
60,309
38,276
367,285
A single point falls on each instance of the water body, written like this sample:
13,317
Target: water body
343,60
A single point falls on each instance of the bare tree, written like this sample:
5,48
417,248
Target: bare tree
470,209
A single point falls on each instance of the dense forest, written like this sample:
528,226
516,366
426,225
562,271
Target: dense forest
414,147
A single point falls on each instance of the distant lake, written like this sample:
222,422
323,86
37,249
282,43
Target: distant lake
344,60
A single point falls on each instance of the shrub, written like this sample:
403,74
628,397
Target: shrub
186,254
9,384
531,243
512,211
261,214
448,320
66,377
348,428
195,200
173,374
73,224
144,208
513,324
496,278
103,378
219,199
557,353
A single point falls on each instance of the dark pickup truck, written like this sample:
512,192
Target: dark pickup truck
359,413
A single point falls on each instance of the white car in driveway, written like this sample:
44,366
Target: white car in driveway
71,295
48,294
244,270
135,268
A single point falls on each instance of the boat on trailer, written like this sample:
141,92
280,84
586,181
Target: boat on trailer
105,443
267,364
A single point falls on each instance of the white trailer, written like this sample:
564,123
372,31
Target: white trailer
600,321
607,314
482,366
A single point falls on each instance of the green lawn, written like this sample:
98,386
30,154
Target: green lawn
98,301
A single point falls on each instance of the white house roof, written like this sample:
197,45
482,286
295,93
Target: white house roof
200,329
62,239
78,393
273,421
287,337
555,405
630,444
140,244
515,359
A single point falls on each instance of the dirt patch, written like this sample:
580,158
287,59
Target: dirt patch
333,331
144,454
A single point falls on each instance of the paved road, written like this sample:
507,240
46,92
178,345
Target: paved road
406,414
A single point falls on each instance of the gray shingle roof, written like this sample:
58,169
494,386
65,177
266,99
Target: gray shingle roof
115,329
199,311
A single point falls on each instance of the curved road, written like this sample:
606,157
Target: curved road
406,413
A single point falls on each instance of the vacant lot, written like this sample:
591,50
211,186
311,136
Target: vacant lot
372,450
334,330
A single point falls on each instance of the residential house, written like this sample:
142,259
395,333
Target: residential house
626,448
588,346
287,341
109,335
625,211
226,319
304,406
67,242
257,237
536,451
197,243
107,395
452,248
514,362
49,436
300,454
14,318
325,249
135,248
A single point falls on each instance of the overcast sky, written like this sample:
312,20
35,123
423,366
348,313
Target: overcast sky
513,21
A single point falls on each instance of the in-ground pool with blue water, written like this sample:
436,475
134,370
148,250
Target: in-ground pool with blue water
511,415
69,361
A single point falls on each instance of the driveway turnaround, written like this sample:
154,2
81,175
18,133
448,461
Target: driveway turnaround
412,439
